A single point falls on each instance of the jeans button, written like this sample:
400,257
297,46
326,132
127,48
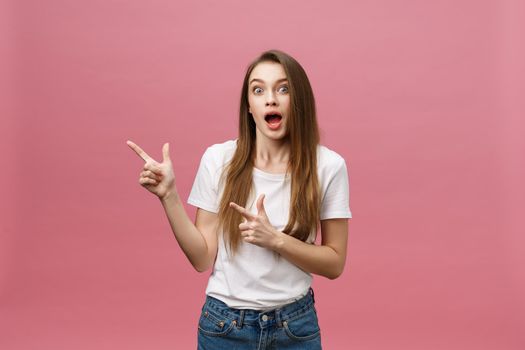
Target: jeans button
265,318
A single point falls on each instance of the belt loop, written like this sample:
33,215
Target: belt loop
312,292
278,318
241,319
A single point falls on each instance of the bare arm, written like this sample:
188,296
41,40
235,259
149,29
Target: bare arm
327,260
198,241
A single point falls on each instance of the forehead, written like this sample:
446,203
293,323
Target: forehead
268,71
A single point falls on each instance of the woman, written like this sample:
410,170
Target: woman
261,199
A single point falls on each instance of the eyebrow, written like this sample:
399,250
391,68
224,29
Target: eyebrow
262,81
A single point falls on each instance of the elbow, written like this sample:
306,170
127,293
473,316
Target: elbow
335,273
333,276
201,264
201,268
335,268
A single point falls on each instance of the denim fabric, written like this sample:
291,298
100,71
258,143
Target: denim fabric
293,326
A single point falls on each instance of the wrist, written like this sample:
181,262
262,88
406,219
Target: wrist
279,241
170,196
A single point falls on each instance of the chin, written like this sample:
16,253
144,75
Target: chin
280,137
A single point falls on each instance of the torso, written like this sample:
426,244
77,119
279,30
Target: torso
272,169
257,278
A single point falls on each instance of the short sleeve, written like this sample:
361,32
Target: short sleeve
336,198
204,191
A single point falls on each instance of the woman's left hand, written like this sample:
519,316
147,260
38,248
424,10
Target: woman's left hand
257,229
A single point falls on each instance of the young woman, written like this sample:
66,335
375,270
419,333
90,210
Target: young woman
261,199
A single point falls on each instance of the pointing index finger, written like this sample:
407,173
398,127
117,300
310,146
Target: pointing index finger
139,151
242,211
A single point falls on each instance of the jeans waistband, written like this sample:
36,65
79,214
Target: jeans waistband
251,317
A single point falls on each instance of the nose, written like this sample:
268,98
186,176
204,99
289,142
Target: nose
270,99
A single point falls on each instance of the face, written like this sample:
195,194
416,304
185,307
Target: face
269,100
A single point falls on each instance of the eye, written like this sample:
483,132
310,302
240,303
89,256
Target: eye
283,89
257,90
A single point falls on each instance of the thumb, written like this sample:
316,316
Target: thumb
166,152
260,205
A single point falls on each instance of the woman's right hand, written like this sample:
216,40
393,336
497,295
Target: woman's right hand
158,178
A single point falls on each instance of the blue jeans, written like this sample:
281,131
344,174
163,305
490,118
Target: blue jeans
292,326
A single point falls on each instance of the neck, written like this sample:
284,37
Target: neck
270,151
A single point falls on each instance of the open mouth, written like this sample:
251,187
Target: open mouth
273,118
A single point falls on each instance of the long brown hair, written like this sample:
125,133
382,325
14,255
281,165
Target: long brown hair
303,135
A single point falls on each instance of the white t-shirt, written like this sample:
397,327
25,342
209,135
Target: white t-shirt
256,277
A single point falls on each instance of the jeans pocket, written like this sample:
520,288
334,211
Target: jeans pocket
214,325
302,327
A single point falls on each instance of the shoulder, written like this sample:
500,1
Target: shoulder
219,153
219,149
328,159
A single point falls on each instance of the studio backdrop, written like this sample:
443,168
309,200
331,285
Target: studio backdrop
424,100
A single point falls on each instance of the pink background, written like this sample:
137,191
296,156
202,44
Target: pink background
422,98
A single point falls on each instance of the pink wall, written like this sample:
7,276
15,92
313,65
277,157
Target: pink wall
422,98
